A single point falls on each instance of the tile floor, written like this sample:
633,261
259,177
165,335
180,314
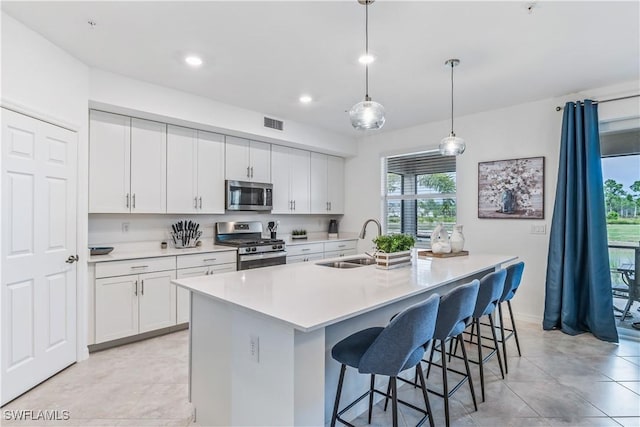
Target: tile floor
559,381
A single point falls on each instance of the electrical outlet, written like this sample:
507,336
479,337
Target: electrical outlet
254,348
539,229
125,227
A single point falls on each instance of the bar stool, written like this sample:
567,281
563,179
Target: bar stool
489,294
388,351
511,284
454,314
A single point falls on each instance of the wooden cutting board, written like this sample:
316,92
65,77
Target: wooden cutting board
429,254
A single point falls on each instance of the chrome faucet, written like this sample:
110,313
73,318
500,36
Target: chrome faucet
363,232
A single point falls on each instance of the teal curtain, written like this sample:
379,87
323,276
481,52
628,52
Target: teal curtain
578,287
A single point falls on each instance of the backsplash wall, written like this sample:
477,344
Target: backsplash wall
107,229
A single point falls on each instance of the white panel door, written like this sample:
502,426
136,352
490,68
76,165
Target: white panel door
260,161
282,202
319,202
109,162
39,168
148,166
335,184
116,307
182,174
210,161
237,159
299,173
156,300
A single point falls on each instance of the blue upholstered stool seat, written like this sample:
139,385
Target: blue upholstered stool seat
388,351
350,350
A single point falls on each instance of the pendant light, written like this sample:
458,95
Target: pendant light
367,114
452,145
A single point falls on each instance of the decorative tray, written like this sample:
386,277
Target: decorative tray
104,250
429,254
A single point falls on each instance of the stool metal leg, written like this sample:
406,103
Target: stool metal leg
445,384
480,358
495,344
425,395
373,379
466,365
504,341
513,325
343,368
394,401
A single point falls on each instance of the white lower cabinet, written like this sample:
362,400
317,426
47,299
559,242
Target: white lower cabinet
211,263
132,304
316,251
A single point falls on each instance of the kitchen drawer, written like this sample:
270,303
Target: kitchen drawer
135,266
304,258
211,258
341,245
336,254
308,248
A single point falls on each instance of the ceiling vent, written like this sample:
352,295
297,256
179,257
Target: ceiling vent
273,123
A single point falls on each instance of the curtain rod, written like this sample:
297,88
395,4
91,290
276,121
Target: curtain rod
608,100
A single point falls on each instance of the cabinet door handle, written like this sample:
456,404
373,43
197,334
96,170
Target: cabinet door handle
200,199
251,171
209,259
133,198
294,205
142,287
135,289
195,202
127,199
305,250
330,206
248,176
139,266
342,246
290,205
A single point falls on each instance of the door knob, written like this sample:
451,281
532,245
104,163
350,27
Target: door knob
72,259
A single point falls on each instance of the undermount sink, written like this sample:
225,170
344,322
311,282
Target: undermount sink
348,263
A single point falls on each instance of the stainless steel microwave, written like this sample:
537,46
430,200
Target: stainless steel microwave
248,196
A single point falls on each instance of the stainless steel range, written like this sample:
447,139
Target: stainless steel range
254,251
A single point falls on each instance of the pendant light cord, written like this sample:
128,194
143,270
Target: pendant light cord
452,98
366,48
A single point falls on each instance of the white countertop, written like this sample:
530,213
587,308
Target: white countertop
117,255
321,239
309,296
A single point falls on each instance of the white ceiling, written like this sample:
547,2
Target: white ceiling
264,55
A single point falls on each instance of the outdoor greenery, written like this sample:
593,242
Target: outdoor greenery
620,202
431,208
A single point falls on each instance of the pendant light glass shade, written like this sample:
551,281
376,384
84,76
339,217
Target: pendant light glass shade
452,145
368,114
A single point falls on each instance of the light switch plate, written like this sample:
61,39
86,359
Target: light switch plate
539,229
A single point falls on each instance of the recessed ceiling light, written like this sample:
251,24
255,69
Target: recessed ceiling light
305,99
366,59
194,61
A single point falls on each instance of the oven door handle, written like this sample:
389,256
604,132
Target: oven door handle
268,255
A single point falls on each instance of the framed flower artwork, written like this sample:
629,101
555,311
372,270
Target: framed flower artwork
511,189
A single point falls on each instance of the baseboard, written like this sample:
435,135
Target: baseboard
134,338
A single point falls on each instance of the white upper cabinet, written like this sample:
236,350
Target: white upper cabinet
290,177
210,163
195,171
335,184
148,166
127,164
247,160
327,184
109,162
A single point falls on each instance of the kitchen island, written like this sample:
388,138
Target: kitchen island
260,340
